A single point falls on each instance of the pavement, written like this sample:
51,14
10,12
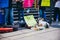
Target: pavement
53,33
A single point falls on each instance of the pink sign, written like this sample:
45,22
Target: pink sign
28,3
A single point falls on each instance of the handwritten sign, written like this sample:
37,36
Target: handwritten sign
30,21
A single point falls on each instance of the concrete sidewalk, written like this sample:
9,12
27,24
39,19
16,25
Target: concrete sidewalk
49,35
27,34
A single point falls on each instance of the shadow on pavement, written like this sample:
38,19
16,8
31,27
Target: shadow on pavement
55,24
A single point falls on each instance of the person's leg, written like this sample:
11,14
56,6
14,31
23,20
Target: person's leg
21,18
40,13
55,13
42,10
59,14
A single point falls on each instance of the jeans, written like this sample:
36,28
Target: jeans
56,12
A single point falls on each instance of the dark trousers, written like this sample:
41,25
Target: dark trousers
21,17
21,14
42,9
56,12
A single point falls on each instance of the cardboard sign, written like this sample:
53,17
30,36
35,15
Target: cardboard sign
45,3
30,21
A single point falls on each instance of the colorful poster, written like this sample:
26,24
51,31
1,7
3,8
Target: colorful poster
30,21
45,3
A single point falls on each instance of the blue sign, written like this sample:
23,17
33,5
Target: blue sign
4,3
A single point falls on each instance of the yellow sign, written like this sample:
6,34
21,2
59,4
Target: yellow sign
30,21
45,3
